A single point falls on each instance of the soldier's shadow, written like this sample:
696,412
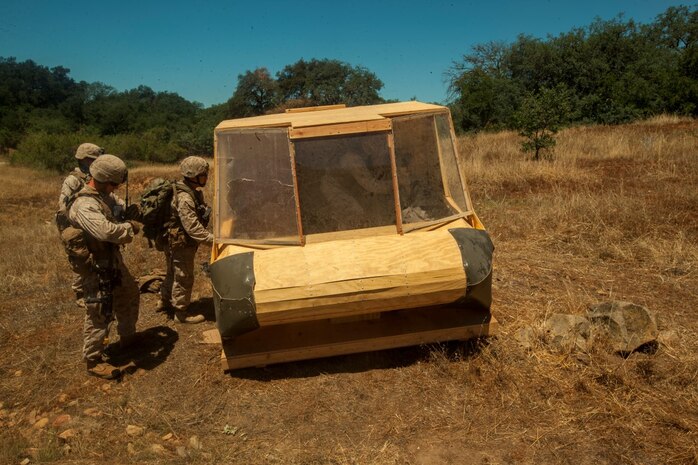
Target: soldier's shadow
150,349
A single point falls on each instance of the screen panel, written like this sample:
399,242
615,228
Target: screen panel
345,182
422,191
256,195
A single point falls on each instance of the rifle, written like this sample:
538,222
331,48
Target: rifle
126,196
108,277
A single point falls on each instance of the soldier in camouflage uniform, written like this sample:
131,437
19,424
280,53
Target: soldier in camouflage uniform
109,289
73,183
187,229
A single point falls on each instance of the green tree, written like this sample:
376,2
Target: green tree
615,71
327,82
485,101
540,117
256,93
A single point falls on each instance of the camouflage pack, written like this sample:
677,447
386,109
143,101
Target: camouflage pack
156,210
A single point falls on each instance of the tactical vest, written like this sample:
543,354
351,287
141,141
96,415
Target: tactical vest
176,235
83,249
61,218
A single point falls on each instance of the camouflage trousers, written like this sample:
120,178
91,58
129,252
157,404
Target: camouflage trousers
125,305
77,286
178,283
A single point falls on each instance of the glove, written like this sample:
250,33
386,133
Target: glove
133,212
134,225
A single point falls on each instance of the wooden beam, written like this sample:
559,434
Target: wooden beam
396,189
309,340
317,108
296,197
327,130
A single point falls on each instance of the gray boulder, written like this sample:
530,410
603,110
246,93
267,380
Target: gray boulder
625,325
567,332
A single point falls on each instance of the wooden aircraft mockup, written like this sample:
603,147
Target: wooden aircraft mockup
342,230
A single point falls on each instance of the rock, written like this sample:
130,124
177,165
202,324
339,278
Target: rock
106,387
182,451
131,449
133,430
63,398
67,434
167,437
626,325
18,373
527,337
158,449
41,423
31,418
25,462
61,420
92,412
194,443
567,332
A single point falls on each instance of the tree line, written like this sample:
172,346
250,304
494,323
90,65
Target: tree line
609,72
45,114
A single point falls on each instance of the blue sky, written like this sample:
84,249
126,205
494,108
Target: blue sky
197,49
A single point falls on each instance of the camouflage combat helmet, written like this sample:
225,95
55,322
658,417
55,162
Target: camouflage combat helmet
109,168
192,167
88,150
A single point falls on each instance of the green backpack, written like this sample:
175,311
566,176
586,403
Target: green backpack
156,209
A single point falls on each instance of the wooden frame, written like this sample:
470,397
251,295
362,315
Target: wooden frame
315,339
292,154
352,290
328,130
396,187
317,108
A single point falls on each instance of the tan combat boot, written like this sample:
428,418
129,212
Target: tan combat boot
102,370
162,306
181,317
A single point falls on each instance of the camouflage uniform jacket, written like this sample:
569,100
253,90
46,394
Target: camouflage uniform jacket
188,209
92,213
72,184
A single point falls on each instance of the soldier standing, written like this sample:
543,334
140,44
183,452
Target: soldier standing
109,289
73,183
186,230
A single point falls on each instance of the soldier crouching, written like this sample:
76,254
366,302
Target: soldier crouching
110,290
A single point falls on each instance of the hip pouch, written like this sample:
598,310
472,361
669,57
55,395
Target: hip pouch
79,256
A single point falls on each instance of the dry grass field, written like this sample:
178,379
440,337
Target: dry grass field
613,217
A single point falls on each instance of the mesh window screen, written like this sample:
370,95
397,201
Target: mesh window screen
345,182
255,186
422,195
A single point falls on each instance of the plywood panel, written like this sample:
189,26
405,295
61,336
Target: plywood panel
361,113
345,260
349,277
335,128
277,344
